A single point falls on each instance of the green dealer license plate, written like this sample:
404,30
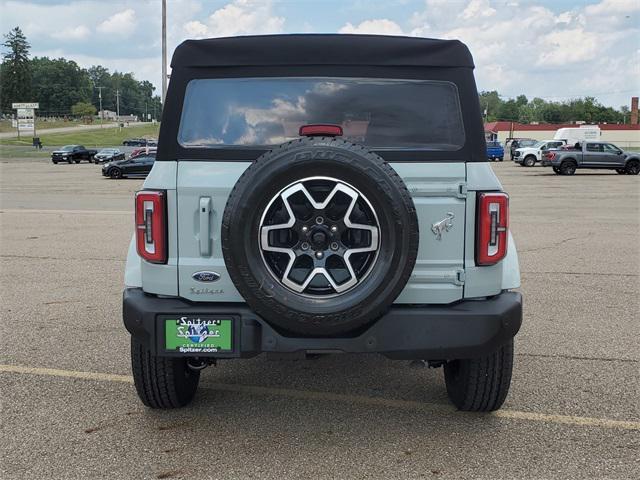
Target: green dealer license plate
194,334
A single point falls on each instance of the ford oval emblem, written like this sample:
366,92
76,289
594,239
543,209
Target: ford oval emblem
206,276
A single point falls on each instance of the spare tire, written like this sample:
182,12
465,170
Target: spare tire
319,236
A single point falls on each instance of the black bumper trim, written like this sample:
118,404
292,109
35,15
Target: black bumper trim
467,329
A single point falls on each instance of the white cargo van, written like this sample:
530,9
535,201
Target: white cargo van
578,134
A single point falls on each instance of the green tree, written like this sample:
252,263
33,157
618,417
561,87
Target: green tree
625,114
101,81
490,102
508,111
521,100
59,84
15,75
84,110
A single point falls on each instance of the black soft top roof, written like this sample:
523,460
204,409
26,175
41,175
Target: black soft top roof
322,49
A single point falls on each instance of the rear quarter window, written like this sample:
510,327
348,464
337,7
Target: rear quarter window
380,113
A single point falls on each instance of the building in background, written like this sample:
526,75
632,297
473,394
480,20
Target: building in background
624,136
109,115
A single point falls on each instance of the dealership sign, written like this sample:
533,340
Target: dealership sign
26,117
15,106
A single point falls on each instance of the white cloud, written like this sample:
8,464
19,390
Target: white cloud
478,8
196,29
608,7
379,26
568,46
239,17
72,33
119,23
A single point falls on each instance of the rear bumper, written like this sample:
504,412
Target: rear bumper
467,329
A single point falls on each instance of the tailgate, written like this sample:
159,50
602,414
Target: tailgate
438,191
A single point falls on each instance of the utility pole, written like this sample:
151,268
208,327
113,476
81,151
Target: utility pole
101,111
164,51
118,107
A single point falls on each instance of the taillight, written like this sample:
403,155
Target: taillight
151,225
550,155
493,227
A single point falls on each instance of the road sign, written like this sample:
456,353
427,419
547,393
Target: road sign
26,115
25,105
26,125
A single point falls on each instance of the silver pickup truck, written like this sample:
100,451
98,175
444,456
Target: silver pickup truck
592,155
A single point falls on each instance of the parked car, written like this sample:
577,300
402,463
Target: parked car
528,156
600,155
108,155
495,151
142,151
515,143
340,230
139,142
133,167
72,153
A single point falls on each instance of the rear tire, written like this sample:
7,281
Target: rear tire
568,168
621,171
480,384
632,168
162,382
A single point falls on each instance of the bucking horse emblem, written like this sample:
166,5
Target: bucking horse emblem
443,225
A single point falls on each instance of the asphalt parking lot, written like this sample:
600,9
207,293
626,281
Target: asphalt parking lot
69,409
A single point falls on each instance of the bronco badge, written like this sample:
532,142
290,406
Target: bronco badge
443,225
206,277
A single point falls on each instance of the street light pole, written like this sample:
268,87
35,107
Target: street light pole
101,111
118,107
164,50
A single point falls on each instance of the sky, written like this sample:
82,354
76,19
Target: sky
553,49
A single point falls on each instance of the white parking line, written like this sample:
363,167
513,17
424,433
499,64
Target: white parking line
338,397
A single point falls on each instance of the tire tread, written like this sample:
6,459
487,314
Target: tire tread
155,379
480,384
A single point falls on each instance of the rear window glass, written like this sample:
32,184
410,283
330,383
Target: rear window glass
381,113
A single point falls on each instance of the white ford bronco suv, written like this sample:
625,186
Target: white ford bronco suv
318,194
